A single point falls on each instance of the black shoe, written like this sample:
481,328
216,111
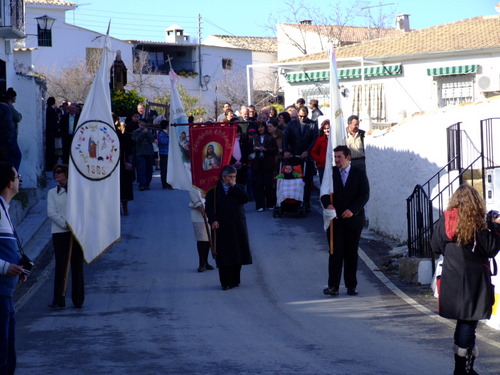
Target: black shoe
331,291
57,305
352,291
226,287
209,267
201,269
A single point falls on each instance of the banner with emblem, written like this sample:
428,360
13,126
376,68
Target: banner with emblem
211,149
93,205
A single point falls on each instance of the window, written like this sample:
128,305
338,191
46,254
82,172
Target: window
44,37
370,98
455,89
227,64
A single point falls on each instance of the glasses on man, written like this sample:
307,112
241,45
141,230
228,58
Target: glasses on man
300,116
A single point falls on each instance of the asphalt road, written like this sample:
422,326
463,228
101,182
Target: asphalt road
147,310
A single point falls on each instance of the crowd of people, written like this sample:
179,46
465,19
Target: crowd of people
266,145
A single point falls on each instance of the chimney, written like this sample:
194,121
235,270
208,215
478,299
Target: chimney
403,22
305,22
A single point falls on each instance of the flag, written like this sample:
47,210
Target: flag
93,203
337,129
179,159
211,149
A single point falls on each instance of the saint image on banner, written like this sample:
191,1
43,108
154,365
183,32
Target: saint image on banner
184,145
213,156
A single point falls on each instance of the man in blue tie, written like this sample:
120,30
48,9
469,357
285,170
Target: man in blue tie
351,193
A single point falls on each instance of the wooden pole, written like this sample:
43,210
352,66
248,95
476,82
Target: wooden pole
211,239
331,228
66,274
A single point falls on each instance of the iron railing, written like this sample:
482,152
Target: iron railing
425,205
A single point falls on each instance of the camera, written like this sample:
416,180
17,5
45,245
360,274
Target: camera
492,215
26,263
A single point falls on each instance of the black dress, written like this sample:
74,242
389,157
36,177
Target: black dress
126,175
232,246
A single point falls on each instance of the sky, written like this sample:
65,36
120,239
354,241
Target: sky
148,19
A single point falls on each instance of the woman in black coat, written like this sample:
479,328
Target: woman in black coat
466,292
263,167
226,214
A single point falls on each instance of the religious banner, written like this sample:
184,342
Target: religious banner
93,204
211,149
179,163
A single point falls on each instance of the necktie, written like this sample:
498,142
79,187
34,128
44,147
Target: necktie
343,175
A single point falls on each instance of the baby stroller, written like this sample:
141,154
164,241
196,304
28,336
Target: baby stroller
290,192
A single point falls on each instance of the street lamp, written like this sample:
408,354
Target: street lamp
45,22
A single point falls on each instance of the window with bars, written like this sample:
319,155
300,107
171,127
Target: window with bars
455,89
44,37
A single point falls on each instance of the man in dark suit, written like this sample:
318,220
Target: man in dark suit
67,127
351,193
299,138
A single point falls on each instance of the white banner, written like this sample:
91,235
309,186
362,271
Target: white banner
93,207
337,127
179,159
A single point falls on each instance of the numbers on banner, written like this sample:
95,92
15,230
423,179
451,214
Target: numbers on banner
96,170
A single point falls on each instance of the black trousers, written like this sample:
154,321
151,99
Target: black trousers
230,275
263,189
163,170
347,233
61,243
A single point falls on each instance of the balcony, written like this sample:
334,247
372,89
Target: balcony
12,19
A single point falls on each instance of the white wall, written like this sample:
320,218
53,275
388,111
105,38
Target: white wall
409,154
30,103
69,42
413,91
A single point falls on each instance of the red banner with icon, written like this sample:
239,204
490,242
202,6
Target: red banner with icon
211,149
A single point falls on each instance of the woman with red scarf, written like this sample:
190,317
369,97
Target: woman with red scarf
467,242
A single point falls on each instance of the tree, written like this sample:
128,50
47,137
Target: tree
71,84
189,102
314,29
144,79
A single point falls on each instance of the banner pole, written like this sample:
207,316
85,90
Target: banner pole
331,229
66,273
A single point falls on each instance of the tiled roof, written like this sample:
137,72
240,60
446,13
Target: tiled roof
347,34
254,43
470,34
51,2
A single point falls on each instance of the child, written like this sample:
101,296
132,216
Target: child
288,173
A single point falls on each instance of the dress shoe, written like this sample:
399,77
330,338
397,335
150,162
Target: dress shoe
201,269
57,306
209,267
352,291
331,291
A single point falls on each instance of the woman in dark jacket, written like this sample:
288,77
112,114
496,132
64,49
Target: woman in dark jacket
263,166
466,292
226,214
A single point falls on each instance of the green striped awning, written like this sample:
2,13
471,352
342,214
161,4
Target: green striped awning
345,73
452,70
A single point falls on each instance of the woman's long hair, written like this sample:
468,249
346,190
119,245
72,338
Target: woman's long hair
471,213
